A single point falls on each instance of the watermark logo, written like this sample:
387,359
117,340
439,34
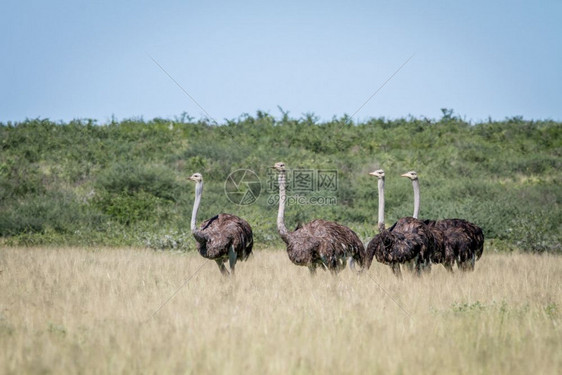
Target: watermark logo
303,187
302,200
242,187
301,181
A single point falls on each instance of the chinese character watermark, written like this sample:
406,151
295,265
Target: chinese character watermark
303,187
305,181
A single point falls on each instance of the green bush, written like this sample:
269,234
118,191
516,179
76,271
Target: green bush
53,211
125,183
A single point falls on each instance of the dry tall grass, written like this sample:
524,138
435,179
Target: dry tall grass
89,311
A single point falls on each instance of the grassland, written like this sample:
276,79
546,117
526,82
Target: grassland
79,310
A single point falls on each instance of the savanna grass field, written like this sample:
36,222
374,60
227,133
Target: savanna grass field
107,310
99,272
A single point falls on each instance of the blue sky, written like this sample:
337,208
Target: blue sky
66,60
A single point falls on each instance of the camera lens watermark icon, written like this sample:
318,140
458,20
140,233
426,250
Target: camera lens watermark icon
242,187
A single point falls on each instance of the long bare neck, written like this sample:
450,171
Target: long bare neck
381,204
281,213
200,237
416,185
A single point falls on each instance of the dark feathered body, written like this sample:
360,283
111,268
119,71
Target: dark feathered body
395,248
322,243
224,231
465,239
422,235
444,251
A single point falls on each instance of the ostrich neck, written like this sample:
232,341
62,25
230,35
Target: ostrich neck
200,237
281,213
416,185
381,204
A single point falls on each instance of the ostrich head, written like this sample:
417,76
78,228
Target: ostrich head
412,175
379,173
280,166
196,177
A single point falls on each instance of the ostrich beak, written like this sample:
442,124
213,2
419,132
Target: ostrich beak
372,173
404,175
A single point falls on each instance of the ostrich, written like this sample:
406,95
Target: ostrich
431,248
441,252
462,240
319,243
222,237
466,240
393,247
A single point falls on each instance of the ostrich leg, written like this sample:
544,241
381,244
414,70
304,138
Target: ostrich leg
396,270
312,269
232,259
222,268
